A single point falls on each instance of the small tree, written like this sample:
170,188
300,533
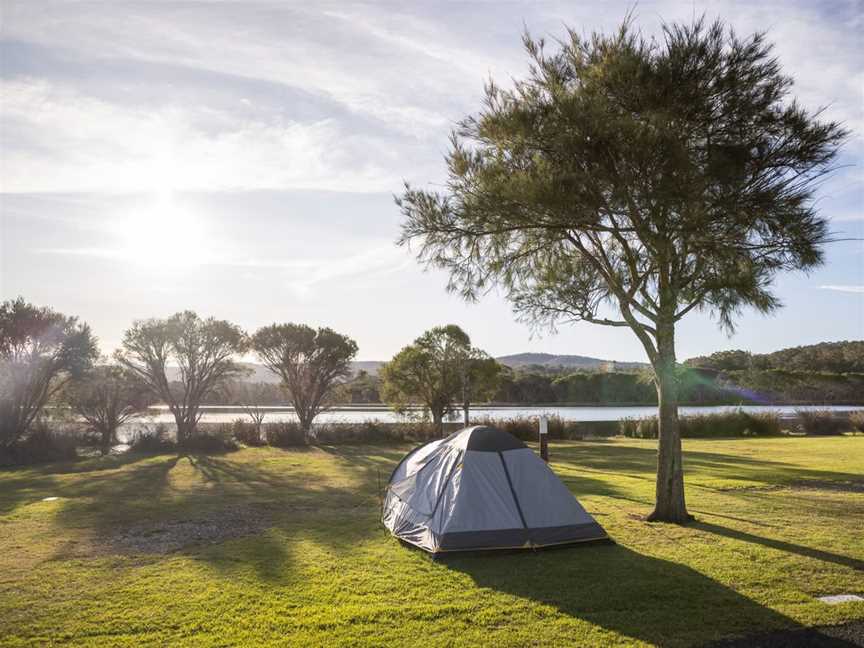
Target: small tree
430,370
628,182
40,351
203,351
311,364
107,397
480,379
253,399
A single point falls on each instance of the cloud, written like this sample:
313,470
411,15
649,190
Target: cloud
300,275
100,146
324,96
845,289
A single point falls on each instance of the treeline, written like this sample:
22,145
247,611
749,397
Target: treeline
830,357
50,366
696,386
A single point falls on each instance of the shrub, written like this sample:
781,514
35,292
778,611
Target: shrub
214,442
703,426
639,428
821,422
42,444
245,432
856,420
378,432
155,440
284,434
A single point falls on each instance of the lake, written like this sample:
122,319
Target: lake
217,414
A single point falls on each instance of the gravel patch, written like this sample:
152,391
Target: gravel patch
168,536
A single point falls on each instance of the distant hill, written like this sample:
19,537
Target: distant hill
564,361
261,374
834,357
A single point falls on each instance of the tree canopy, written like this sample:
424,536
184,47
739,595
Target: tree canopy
310,362
106,397
40,351
437,370
203,350
627,182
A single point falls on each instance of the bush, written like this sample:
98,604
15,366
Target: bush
821,422
42,444
527,428
215,442
284,434
244,432
377,432
705,426
152,440
639,428
856,420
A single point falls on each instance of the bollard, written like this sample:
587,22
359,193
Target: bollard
544,435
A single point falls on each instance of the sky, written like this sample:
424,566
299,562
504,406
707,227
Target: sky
240,159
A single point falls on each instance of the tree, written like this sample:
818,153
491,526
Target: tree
253,399
628,182
107,397
311,364
429,371
480,378
203,351
40,351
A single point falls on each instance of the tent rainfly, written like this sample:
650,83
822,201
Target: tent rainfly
481,488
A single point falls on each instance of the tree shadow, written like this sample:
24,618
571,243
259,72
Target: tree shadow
639,596
32,483
616,460
781,545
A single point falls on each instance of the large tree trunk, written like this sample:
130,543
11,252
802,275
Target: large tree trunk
306,425
465,411
669,499
185,428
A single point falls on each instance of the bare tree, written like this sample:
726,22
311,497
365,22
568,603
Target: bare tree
253,400
201,350
40,351
311,363
107,397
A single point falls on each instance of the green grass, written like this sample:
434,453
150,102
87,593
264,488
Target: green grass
779,523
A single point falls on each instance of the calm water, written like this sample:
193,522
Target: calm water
610,413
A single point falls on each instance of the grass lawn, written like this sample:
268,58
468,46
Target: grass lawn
779,523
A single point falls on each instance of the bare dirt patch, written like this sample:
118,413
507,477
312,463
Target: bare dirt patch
168,536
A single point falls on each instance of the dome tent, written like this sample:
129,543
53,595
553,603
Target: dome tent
481,488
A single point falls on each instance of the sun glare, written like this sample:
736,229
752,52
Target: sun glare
162,235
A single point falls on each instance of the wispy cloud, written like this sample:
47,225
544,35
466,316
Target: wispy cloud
301,275
98,146
845,289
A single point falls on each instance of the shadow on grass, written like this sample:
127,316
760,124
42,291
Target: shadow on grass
645,598
200,504
781,545
617,460
32,483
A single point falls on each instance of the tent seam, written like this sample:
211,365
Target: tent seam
512,490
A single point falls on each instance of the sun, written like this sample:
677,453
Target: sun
162,234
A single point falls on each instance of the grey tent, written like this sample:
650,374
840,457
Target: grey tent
481,488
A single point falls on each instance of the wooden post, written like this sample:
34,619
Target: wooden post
544,435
